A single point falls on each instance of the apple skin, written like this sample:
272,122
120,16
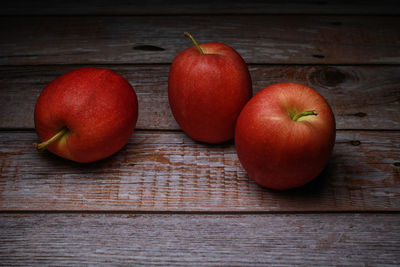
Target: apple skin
276,151
207,91
97,106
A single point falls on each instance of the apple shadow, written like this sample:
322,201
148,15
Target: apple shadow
319,184
77,167
227,143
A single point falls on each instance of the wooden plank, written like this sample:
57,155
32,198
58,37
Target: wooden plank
155,7
298,39
218,240
167,171
362,97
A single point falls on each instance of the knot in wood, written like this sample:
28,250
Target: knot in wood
329,76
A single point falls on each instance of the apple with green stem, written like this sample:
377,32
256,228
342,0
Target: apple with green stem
86,114
208,86
284,135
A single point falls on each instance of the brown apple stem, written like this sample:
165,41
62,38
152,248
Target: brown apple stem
45,144
188,35
304,113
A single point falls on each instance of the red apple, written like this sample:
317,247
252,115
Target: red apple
208,86
86,114
284,135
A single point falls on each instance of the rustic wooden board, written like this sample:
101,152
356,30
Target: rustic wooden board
154,7
167,171
183,239
362,97
167,200
290,39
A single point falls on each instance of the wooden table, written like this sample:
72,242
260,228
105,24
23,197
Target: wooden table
165,199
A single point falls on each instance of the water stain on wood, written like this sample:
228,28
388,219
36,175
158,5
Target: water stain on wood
161,159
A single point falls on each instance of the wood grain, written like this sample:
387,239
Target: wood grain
167,171
287,39
167,200
158,7
362,97
182,240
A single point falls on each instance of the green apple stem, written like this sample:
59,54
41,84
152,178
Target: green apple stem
298,115
45,144
188,35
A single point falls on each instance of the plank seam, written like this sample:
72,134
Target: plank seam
226,14
148,212
160,64
144,130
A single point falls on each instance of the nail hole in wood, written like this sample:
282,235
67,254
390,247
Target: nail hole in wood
360,114
148,48
355,142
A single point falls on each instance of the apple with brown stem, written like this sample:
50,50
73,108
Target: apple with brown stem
208,86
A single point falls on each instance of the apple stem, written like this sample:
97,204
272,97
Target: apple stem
45,144
188,35
304,113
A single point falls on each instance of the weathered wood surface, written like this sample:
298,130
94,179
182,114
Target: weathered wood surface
167,200
183,239
286,39
167,171
362,97
158,7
